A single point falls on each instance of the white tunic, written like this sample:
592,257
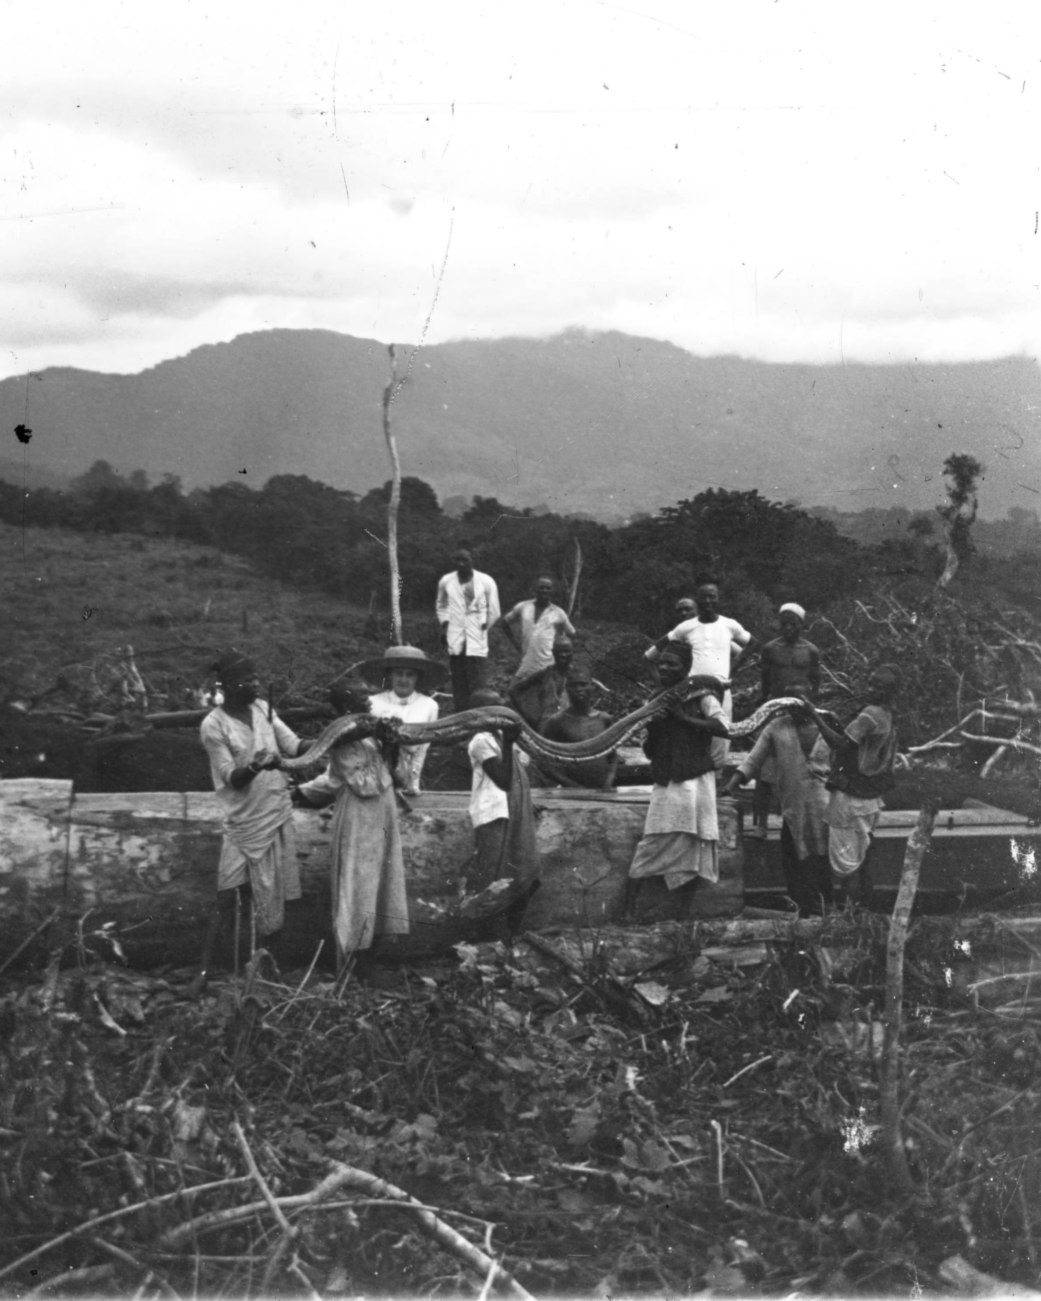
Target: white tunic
538,631
487,800
469,609
710,644
416,708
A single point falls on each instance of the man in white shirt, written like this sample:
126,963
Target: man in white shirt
467,606
713,639
407,669
538,623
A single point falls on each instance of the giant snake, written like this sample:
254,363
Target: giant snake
491,718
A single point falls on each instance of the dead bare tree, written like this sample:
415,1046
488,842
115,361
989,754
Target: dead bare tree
393,384
576,575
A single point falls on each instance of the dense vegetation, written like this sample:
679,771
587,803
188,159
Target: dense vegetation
868,600
763,552
706,1127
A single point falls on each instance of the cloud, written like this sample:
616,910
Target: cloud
794,184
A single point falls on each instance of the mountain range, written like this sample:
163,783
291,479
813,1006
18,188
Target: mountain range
603,424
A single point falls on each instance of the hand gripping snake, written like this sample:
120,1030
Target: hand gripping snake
491,718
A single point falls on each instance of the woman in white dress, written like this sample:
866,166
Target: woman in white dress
368,871
409,674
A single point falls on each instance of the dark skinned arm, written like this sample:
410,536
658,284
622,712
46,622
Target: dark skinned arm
386,732
505,626
716,726
240,778
501,770
814,671
836,739
750,648
657,648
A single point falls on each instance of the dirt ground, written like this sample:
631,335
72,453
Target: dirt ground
709,1125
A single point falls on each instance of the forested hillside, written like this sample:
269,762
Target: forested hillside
604,424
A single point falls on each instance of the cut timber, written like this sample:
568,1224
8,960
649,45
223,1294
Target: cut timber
146,861
975,850
34,853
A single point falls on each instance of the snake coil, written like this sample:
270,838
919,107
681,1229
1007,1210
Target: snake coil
490,718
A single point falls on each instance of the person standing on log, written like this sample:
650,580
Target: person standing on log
541,695
501,811
861,772
532,627
245,740
367,873
580,722
467,605
409,672
801,759
681,836
790,666
717,644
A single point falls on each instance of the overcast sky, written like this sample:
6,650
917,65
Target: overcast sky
782,180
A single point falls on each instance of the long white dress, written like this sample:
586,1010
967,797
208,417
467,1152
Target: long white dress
367,874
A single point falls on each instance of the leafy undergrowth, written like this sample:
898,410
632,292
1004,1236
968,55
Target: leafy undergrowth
709,1127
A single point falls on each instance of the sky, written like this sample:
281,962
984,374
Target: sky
776,179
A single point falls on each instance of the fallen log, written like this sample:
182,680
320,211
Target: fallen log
145,864
98,722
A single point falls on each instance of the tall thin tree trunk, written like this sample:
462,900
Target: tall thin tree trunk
392,506
573,593
917,847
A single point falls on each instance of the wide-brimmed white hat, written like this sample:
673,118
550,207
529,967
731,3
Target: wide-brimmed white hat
402,657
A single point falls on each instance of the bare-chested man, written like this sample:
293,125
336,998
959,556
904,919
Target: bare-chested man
791,666
579,722
541,695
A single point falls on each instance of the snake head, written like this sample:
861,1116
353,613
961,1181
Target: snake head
387,729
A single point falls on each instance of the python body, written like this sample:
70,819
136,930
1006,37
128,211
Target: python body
491,718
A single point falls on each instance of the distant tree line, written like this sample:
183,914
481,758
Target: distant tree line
301,531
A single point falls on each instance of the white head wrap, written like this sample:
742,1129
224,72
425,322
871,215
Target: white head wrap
791,607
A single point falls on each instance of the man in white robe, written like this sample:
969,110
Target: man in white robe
245,740
467,605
